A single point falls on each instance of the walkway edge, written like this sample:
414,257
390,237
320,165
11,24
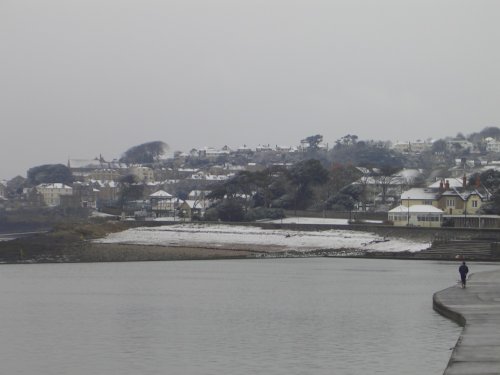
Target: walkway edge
446,311
477,310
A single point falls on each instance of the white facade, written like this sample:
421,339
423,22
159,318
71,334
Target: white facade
416,147
52,193
144,174
416,215
492,145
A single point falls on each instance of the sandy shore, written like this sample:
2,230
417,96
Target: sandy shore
116,243
104,252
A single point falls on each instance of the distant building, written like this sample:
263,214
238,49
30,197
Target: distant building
420,196
264,148
198,201
107,192
416,147
85,195
52,193
106,174
162,204
244,150
96,169
213,153
143,174
492,145
458,202
459,145
3,188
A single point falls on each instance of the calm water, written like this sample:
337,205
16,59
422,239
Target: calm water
283,316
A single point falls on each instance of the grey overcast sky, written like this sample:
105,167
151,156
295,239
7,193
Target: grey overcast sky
79,78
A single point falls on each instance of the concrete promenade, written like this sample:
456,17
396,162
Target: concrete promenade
477,309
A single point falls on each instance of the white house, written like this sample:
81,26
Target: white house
51,193
144,174
420,196
416,215
492,145
416,147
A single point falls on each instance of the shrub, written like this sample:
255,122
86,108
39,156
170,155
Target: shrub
261,213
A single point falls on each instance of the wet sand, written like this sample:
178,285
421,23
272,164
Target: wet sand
102,252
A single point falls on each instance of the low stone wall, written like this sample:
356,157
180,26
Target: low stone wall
359,215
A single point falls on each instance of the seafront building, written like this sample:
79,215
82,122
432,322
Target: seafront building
418,215
453,201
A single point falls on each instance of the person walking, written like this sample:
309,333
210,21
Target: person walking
463,270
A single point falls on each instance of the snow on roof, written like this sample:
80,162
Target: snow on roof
216,177
464,194
189,170
56,185
161,194
193,203
454,182
417,208
105,183
418,193
196,193
84,163
363,170
409,173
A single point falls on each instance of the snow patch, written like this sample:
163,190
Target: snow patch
218,235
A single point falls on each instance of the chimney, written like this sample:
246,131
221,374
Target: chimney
441,186
447,185
464,181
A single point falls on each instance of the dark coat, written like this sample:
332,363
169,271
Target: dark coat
463,269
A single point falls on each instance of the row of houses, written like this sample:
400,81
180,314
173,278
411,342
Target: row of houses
491,145
159,204
97,169
163,206
450,202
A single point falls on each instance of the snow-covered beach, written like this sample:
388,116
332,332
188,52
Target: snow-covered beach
250,237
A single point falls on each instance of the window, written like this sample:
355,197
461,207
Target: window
398,217
428,217
427,202
474,204
450,203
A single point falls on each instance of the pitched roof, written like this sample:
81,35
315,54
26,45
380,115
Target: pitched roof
463,194
55,185
161,194
419,193
454,182
417,208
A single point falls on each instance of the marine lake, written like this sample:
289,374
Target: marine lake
263,316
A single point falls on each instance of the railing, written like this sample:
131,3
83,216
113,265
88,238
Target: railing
447,237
